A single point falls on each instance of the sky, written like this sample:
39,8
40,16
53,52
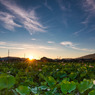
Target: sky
51,28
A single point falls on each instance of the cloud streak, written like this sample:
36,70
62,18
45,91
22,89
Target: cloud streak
46,4
81,30
61,5
2,43
8,20
28,20
33,39
89,6
11,45
5,47
50,42
73,46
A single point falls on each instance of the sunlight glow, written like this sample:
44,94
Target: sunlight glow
30,57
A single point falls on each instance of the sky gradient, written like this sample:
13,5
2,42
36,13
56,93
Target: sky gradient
51,28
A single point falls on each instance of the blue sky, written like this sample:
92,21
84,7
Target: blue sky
51,28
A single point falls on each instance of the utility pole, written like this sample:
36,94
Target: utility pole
24,55
8,52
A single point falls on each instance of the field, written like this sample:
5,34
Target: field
47,78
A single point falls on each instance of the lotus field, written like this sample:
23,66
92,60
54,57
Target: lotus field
47,78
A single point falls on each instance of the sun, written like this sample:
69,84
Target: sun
31,57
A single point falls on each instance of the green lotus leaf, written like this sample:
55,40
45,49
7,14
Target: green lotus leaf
85,85
48,93
91,92
67,87
6,81
73,75
51,81
23,90
43,87
34,90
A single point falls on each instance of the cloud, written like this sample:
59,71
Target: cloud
86,21
46,4
89,8
8,20
5,47
46,48
50,42
92,29
89,5
28,19
86,29
61,5
73,46
33,39
82,49
2,43
81,30
66,43
8,45
19,46
86,25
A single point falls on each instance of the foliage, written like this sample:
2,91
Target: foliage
6,81
67,87
23,90
92,92
42,78
85,85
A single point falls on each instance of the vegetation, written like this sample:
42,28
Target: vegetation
47,78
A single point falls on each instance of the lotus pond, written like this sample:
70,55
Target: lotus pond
47,78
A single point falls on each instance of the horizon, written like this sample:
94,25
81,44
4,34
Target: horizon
45,57
57,28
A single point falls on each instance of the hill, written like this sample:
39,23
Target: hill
90,56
